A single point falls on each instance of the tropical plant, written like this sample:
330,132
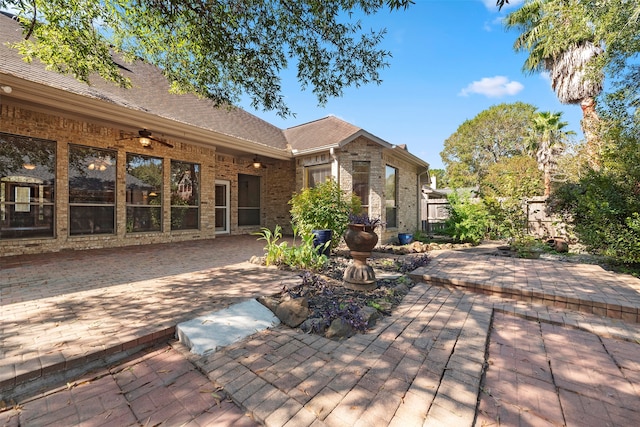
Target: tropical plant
303,256
219,50
468,218
323,207
549,140
560,40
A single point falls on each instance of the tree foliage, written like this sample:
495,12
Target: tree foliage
517,177
496,133
603,205
216,49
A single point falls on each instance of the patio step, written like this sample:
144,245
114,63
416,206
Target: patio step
206,334
551,298
36,375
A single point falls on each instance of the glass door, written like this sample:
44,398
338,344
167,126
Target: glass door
222,206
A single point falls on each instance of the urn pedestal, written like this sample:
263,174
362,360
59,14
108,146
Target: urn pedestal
361,240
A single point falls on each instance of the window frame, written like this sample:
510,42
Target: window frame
29,184
309,169
153,197
100,161
188,207
391,205
365,202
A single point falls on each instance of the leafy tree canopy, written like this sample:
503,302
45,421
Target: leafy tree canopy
216,49
498,132
518,177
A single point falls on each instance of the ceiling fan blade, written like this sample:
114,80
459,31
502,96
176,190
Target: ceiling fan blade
162,142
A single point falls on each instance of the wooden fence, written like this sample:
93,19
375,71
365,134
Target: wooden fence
434,213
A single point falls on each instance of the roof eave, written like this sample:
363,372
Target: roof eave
124,117
407,156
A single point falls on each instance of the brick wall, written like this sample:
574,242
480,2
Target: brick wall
277,183
363,149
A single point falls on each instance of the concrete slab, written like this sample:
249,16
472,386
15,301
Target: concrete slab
208,333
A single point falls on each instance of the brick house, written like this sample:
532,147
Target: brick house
100,166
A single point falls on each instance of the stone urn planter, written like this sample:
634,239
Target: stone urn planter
361,239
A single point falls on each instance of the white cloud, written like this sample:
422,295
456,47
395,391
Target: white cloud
493,87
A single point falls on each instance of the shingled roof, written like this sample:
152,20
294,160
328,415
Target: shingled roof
325,133
149,93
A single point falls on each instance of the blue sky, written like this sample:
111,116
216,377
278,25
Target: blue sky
451,60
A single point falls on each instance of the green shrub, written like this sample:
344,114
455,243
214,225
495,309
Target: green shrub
507,218
468,219
323,207
603,210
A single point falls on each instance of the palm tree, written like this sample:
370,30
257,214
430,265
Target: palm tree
549,140
560,41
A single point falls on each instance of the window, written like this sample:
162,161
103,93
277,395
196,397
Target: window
185,196
92,185
391,196
360,179
27,178
144,193
248,200
314,175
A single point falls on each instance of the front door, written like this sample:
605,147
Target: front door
222,206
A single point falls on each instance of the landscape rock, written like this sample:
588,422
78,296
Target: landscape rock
270,302
558,245
313,325
370,315
339,329
293,312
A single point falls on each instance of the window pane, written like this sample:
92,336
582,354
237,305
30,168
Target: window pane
391,196
317,174
184,218
27,171
92,175
144,218
91,220
391,218
92,185
144,193
248,200
144,180
361,181
185,195
221,218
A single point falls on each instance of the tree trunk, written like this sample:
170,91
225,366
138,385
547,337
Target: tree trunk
591,129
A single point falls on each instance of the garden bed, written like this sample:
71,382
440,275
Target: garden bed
337,312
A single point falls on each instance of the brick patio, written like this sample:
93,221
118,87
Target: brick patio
479,340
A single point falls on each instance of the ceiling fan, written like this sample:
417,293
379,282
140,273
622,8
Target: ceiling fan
145,139
257,164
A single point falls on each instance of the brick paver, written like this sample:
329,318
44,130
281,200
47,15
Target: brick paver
479,341
542,374
157,387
